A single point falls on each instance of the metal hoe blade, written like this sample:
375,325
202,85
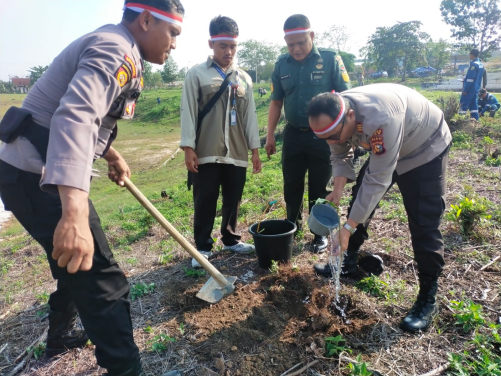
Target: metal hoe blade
212,292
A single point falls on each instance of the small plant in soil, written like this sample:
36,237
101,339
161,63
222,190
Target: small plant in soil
468,315
38,350
374,286
468,213
140,289
359,368
194,273
274,268
335,346
160,342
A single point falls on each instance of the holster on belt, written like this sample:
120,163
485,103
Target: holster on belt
18,122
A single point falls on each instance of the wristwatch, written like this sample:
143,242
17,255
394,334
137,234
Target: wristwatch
350,229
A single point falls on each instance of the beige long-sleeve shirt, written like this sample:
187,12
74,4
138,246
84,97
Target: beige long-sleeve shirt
403,130
219,141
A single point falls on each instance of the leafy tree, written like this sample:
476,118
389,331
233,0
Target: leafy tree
151,78
36,72
398,48
474,23
253,55
438,54
335,37
5,87
348,60
170,71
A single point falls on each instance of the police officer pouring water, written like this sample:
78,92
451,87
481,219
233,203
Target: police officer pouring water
298,76
68,119
409,142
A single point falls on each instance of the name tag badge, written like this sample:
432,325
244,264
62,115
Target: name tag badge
317,75
233,117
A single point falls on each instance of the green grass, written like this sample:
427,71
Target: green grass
8,100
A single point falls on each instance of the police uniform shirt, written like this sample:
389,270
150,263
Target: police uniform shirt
296,82
402,129
89,85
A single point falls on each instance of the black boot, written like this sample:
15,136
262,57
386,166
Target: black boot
132,369
421,314
62,335
350,263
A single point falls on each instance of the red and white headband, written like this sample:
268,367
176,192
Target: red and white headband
336,121
219,37
297,30
175,19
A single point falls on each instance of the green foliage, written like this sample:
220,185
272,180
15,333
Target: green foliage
36,72
481,358
469,212
43,297
38,350
194,273
461,140
160,342
468,315
473,23
493,162
359,368
335,346
140,289
374,286
274,269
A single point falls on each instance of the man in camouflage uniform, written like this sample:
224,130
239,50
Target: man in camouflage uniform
298,76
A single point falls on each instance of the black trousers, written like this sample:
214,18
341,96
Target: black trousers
423,190
303,152
206,185
100,296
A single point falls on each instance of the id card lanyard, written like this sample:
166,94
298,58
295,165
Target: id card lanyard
234,87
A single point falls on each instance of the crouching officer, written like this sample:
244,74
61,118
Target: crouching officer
67,120
487,103
409,140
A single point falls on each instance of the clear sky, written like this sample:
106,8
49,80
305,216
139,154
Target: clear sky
33,32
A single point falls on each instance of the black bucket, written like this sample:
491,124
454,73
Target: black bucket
274,241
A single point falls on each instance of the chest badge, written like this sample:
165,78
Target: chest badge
319,66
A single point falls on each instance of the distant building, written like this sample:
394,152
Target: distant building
20,85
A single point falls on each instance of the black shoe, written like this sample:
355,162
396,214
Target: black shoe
350,264
370,264
319,244
62,334
421,314
323,269
131,369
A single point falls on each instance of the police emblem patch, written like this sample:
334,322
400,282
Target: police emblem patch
122,76
132,66
377,142
319,66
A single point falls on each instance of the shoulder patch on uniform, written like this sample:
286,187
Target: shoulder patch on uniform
122,76
271,87
132,66
344,73
377,142
360,128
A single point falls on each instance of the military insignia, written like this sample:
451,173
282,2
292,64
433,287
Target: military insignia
344,73
365,145
319,66
377,142
132,66
360,128
122,76
142,82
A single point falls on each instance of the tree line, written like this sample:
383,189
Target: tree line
395,49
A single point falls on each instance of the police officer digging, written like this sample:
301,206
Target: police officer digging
68,119
297,77
409,142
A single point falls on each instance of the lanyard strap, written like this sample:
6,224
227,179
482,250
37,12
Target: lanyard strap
232,85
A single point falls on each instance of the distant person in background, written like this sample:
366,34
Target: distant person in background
487,103
217,133
471,85
298,76
67,120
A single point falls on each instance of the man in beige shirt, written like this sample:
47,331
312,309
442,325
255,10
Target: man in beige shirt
217,147
409,142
